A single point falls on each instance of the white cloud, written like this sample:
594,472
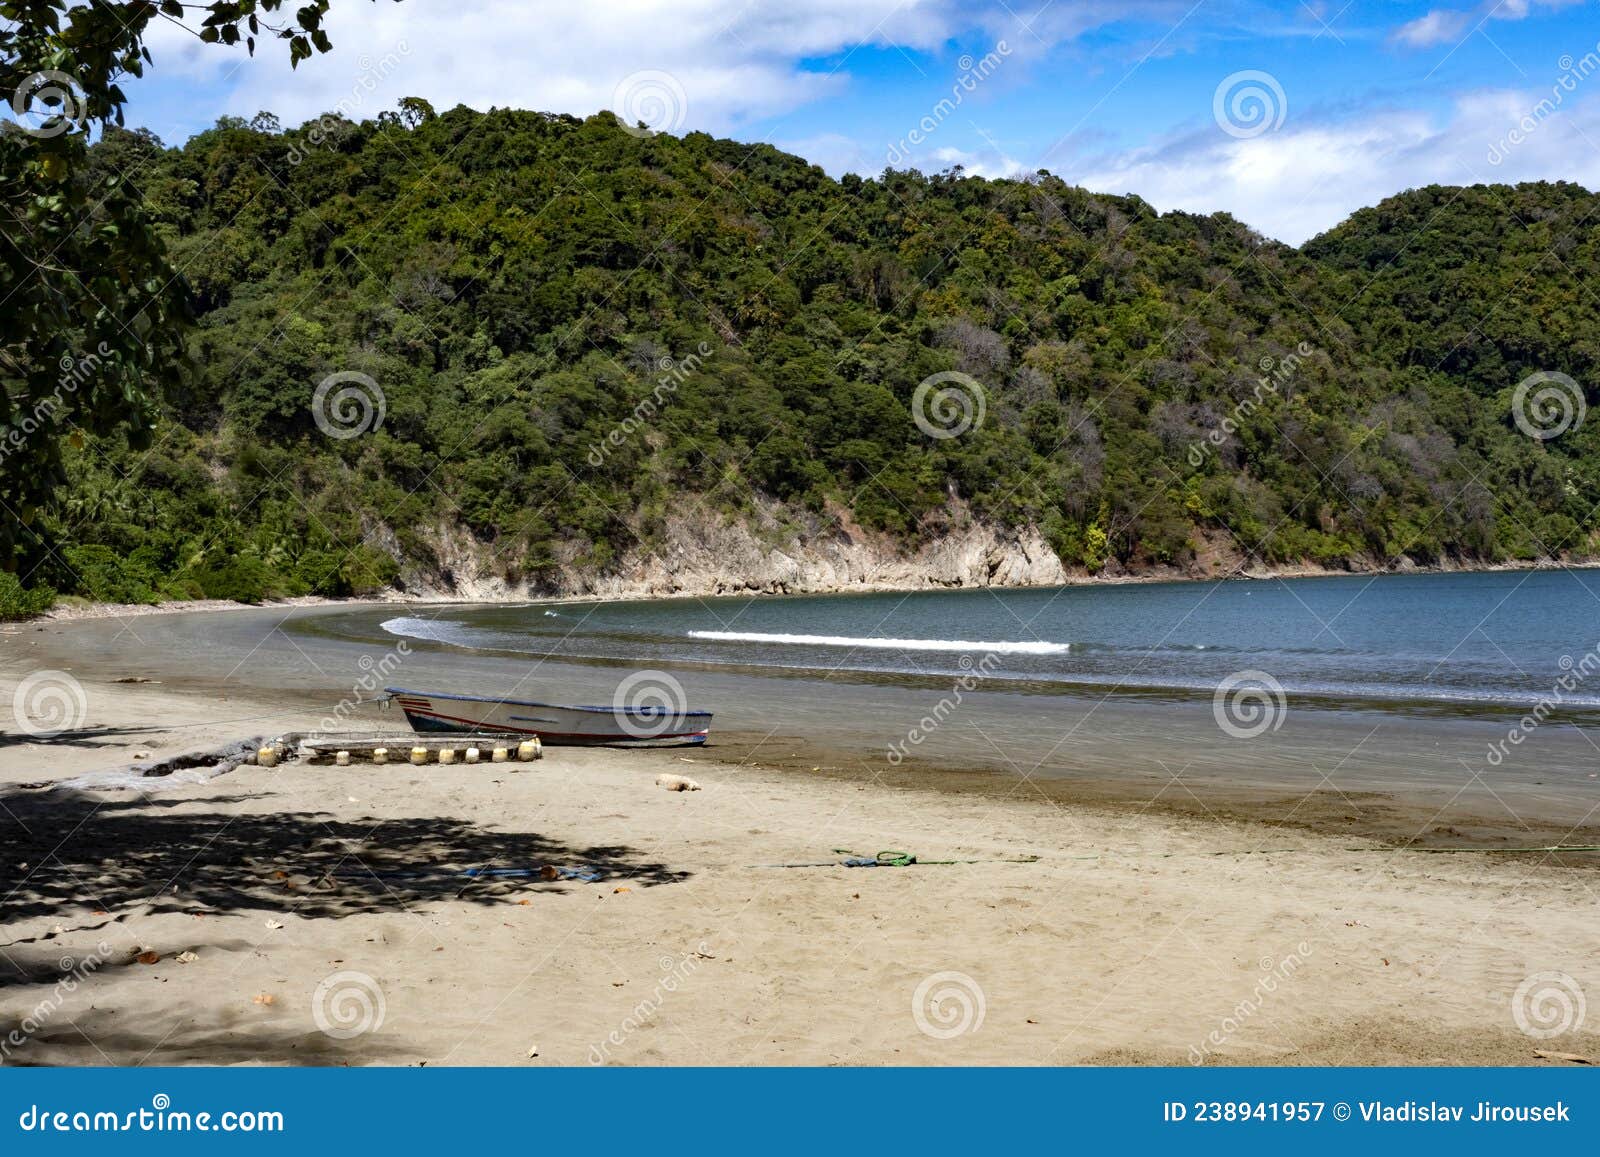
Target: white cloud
1308,176
990,163
733,61
1437,27
836,153
1449,25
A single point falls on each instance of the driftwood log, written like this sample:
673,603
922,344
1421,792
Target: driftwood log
206,764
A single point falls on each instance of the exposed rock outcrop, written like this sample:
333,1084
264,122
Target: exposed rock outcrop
709,555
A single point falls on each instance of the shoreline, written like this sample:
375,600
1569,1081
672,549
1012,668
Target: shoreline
1379,769
78,610
1394,816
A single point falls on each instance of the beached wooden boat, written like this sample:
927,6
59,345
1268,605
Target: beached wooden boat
555,724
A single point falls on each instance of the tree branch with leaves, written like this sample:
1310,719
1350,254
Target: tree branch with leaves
92,313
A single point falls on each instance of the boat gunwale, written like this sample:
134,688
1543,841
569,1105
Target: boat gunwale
538,703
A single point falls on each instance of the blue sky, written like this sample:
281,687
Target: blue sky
1287,115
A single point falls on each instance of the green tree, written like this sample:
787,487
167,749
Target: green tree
93,310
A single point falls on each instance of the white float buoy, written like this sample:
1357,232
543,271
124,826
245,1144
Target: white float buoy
342,758
472,754
499,755
267,756
419,755
380,755
447,755
528,749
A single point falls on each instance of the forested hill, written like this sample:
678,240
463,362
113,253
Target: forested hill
580,334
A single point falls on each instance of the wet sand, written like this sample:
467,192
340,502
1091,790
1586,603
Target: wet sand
1166,918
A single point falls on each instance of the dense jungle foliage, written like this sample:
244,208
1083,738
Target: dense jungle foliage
575,328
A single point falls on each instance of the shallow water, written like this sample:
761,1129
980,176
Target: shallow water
1501,638
1431,733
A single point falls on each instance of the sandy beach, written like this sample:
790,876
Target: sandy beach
324,915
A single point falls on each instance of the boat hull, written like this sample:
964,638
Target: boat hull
555,724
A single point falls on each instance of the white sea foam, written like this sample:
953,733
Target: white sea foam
434,630
1034,648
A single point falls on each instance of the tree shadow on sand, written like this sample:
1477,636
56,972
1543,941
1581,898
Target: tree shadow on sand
76,737
63,1023
65,850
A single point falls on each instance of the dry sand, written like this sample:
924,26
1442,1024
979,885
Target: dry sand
1141,934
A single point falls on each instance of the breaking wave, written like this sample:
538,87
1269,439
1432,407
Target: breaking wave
1003,648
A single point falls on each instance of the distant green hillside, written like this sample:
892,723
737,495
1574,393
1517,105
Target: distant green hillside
576,330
